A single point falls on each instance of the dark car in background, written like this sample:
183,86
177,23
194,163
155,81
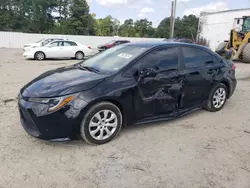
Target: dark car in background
128,84
185,40
111,44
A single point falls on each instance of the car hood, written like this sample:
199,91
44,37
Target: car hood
62,81
32,44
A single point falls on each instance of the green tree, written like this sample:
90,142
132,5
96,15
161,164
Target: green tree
143,28
73,17
80,22
104,26
115,26
187,27
163,29
127,29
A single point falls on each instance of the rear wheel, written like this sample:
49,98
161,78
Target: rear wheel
246,53
101,123
79,55
39,56
217,98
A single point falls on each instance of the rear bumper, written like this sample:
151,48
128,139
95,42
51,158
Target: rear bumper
232,88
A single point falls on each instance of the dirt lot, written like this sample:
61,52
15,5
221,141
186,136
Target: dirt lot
201,150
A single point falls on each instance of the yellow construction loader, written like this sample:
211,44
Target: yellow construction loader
238,46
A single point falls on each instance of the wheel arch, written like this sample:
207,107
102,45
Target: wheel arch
226,83
80,51
111,100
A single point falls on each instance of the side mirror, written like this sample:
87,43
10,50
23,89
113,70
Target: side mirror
149,72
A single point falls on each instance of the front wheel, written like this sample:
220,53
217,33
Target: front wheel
217,98
101,123
39,56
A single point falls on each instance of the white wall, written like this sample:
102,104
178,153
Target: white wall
216,26
17,40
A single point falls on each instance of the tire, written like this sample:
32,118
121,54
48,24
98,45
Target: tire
40,56
79,55
99,128
211,103
246,53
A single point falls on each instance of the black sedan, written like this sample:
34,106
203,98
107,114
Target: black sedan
128,84
185,40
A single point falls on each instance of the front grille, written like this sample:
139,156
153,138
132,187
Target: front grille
27,122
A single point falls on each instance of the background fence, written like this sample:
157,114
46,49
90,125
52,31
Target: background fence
17,40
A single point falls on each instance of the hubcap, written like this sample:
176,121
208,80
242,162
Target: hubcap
40,56
103,124
219,97
79,55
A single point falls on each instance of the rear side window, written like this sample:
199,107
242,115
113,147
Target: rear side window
194,57
162,60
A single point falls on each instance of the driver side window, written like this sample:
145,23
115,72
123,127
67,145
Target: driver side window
165,59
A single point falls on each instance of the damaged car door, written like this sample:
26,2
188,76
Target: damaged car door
159,84
198,72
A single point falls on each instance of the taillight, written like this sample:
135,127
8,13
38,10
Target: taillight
89,47
233,67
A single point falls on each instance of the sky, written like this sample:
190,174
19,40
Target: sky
156,10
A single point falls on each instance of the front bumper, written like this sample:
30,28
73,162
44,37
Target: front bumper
59,124
28,55
101,49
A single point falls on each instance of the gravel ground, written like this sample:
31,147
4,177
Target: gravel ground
201,150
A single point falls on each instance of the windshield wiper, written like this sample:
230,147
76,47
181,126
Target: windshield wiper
89,68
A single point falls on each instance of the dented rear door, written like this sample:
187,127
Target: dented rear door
198,73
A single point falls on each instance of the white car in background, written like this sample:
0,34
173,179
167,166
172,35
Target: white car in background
41,42
58,49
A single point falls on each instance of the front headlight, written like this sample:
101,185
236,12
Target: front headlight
44,106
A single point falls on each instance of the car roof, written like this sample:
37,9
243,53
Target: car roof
121,40
151,44
62,40
58,38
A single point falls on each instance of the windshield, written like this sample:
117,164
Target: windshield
246,25
40,41
114,59
111,42
47,41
